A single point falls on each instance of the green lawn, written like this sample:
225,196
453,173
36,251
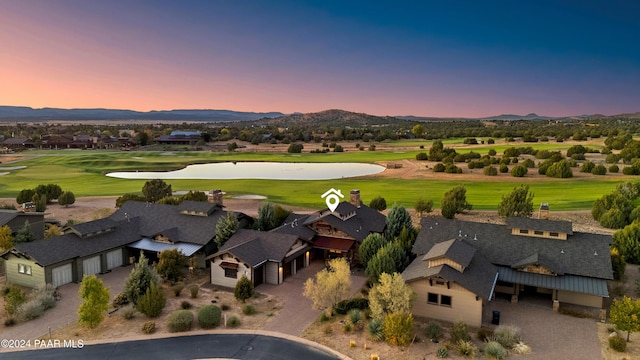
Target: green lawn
82,172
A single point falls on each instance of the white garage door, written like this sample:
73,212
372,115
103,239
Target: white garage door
114,259
61,275
91,266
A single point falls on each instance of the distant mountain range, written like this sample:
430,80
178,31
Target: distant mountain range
21,113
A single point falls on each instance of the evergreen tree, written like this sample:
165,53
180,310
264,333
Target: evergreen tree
225,228
171,262
397,219
25,195
266,217
153,301
382,262
370,246
423,206
139,280
156,189
518,203
95,301
455,202
378,203
67,198
243,289
128,197
25,234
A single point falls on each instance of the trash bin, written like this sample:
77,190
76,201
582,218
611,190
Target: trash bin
495,320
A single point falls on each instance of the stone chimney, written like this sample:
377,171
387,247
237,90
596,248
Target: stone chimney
543,213
354,198
215,196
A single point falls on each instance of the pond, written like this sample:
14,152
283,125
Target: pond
258,170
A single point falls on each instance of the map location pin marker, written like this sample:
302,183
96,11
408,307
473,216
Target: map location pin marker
332,198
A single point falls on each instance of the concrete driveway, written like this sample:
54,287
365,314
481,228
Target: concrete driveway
297,313
66,310
549,334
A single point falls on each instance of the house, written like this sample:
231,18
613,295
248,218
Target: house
18,143
15,220
336,233
101,245
179,138
263,257
462,265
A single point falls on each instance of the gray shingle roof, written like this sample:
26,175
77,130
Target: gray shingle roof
50,251
574,256
255,247
198,206
90,227
6,216
294,224
455,250
540,224
365,221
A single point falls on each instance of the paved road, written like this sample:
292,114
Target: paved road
226,346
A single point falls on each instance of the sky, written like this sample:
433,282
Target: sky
424,58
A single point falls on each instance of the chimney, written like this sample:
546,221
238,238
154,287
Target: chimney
543,213
215,196
354,198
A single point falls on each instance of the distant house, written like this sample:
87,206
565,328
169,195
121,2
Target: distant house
18,143
461,266
101,245
15,220
179,138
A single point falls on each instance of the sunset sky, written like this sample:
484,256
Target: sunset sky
426,58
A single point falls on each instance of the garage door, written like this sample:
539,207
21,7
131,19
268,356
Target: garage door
91,266
114,259
61,275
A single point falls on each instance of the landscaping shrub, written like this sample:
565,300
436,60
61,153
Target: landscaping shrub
494,350
185,305
120,300
442,353
44,295
152,302
328,330
467,349
248,309
324,317
177,289
375,330
344,306
180,320
398,328
30,310
355,316
149,327
346,327
439,167
504,168
614,168
13,298
490,171
193,289
209,316
243,289
9,322
434,331
128,312
233,322
485,334
599,170
617,343
225,307
507,336
459,332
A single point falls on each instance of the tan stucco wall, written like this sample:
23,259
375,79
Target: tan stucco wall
35,280
217,272
464,306
579,299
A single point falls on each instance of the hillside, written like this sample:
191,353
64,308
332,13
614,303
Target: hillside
332,117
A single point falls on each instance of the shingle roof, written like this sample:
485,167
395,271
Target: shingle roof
6,216
540,224
479,276
365,221
537,259
198,206
255,247
294,224
455,250
69,246
90,227
575,256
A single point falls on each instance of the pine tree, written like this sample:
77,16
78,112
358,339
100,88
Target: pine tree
225,228
244,289
397,219
139,280
266,217
66,198
25,234
95,301
518,203
153,301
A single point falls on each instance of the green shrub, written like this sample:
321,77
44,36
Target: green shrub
44,295
507,336
149,327
355,316
13,298
344,306
504,168
467,349
185,305
459,332
177,289
30,310
494,350
324,317
398,328
374,328
442,353
128,312
248,309
614,168
180,320
120,300
490,170
346,327
485,334
225,307
233,322
434,331
152,302
243,289
618,343
193,289
439,167
599,170
209,316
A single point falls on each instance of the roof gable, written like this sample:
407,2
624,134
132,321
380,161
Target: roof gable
255,247
565,227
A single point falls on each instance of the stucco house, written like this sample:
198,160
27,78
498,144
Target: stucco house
263,257
101,245
461,266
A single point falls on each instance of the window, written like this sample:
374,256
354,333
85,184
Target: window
554,234
524,231
24,269
432,298
231,273
445,300
538,232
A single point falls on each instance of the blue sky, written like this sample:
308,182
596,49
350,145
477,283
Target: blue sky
428,58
